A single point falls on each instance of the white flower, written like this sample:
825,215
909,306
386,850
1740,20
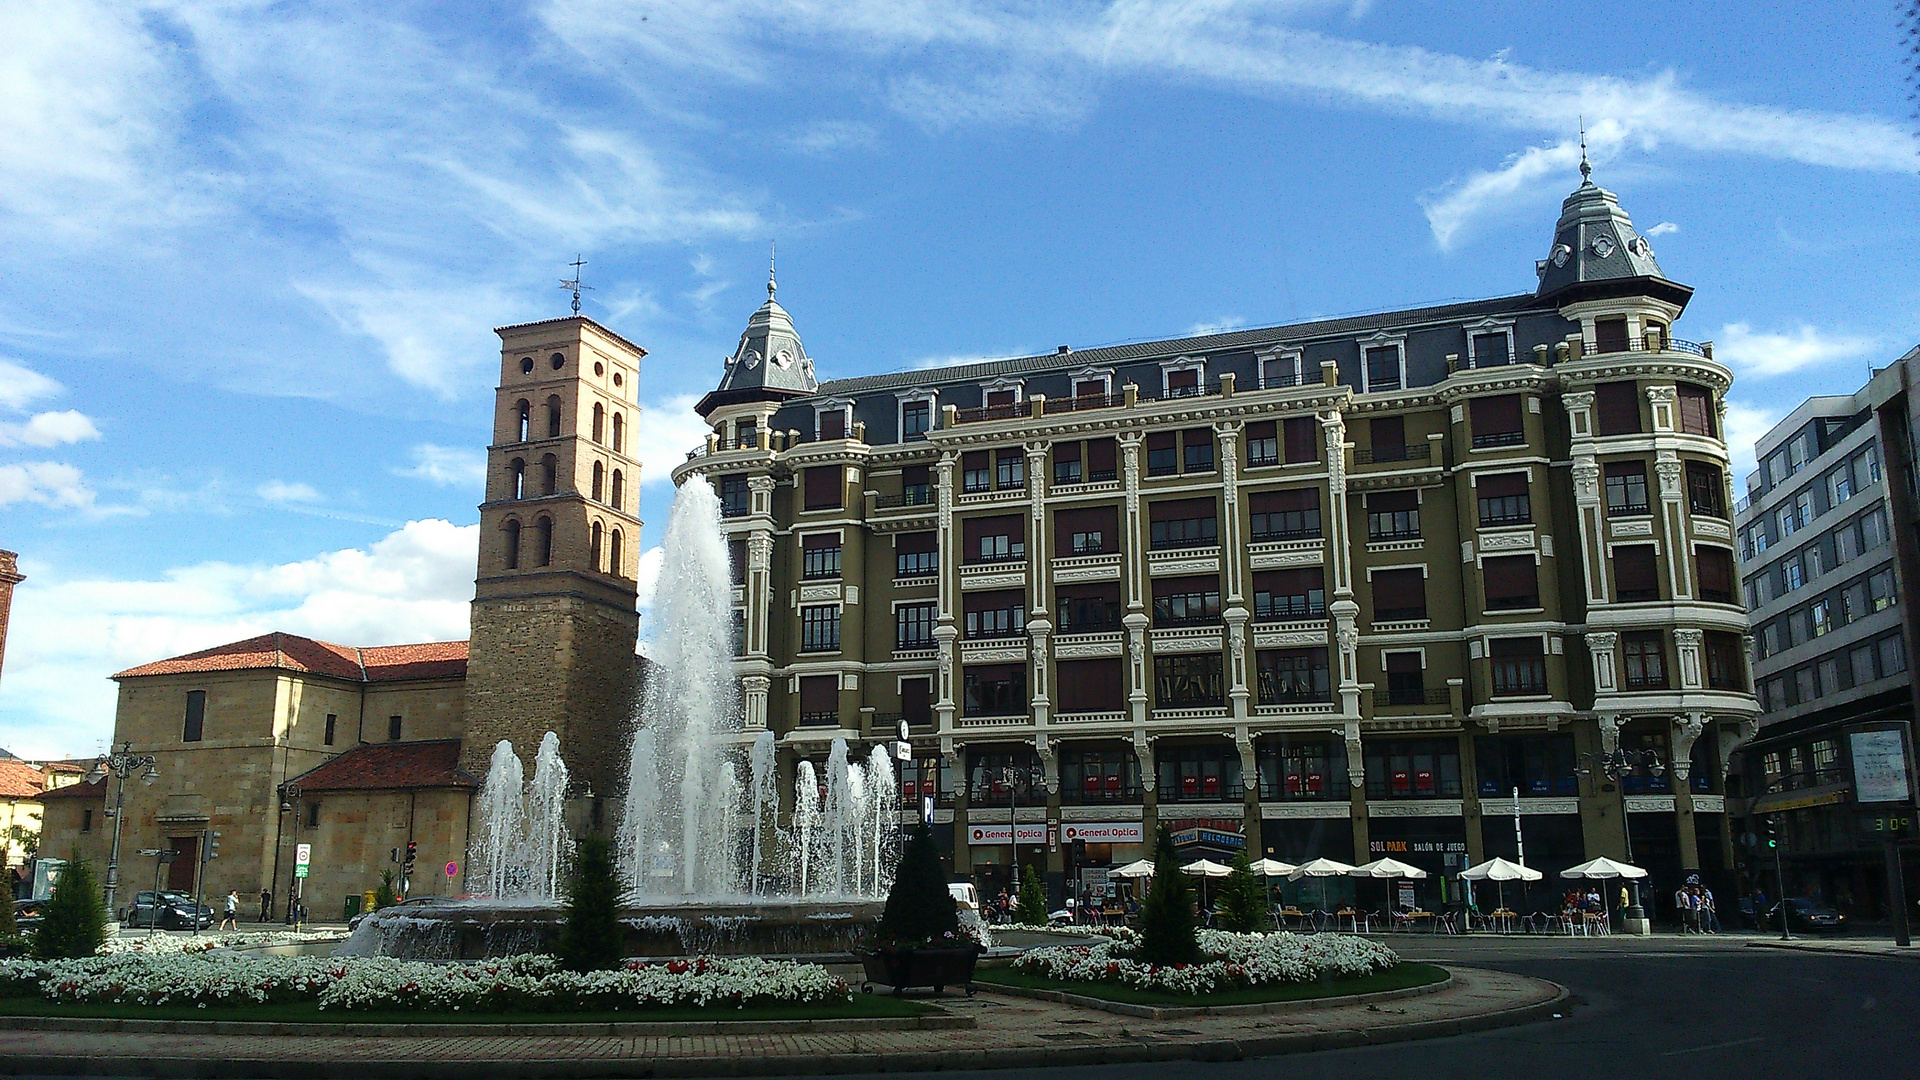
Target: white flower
1235,960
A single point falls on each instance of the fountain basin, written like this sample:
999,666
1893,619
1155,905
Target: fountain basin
480,929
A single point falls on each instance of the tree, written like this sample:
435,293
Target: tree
592,939
919,911
1167,931
8,928
383,895
1032,907
74,922
1243,899
27,840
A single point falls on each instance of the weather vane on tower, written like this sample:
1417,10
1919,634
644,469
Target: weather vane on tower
573,283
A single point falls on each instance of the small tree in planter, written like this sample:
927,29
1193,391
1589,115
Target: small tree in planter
1167,931
74,922
1243,900
383,894
920,941
592,939
1031,909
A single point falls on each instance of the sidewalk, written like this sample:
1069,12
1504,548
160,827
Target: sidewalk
1854,946
1011,1032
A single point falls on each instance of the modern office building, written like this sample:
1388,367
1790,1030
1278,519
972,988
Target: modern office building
1347,588
1825,534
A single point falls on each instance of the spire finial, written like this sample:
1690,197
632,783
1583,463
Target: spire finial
771,251
573,283
1586,169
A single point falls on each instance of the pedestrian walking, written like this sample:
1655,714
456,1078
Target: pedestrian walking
266,904
1709,915
231,920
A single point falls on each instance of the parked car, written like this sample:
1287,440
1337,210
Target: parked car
416,902
167,911
1808,916
964,895
26,914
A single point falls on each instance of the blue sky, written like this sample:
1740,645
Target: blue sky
254,251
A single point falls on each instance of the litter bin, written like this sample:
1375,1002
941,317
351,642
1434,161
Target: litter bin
352,907
366,900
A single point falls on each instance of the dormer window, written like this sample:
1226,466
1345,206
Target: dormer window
832,423
1003,395
746,434
1610,335
1279,371
916,419
1491,346
1385,370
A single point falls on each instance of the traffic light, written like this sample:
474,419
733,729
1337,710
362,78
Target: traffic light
1773,833
412,848
213,844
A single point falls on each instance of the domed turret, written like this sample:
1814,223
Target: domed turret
1597,254
769,364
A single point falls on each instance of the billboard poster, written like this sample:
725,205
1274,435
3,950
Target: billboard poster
1880,766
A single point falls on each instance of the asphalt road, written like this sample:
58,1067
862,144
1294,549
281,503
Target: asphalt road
1695,1008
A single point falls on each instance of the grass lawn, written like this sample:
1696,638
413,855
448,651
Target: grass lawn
1400,977
862,1005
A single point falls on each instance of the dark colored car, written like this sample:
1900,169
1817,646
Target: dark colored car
167,911
26,914
1807,916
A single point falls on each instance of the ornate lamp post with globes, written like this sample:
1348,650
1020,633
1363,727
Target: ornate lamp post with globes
1614,765
121,763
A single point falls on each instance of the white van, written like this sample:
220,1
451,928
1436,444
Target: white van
964,895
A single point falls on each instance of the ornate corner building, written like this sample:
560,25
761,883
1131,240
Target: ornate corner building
1366,586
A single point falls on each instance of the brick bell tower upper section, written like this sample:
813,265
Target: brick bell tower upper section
554,614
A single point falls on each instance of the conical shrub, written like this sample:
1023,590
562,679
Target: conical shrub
592,939
919,911
1168,934
74,922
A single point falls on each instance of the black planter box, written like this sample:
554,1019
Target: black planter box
936,968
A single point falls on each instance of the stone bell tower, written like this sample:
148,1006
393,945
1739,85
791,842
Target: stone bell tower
554,615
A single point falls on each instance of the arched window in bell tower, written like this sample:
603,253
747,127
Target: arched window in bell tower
553,417
525,412
593,545
613,553
512,531
619,500
543,542
599,475
599,421
549,475
517,477
619,431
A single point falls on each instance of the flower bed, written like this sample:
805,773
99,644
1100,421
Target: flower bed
521,984
169,944
1238,961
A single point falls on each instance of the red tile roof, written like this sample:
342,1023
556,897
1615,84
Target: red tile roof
19,780
96,790
291,652
402,765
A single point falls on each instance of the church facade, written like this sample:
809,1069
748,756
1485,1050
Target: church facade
1424,583
368,755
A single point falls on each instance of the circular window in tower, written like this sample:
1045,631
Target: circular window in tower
526,365
559,360
599,368
616,378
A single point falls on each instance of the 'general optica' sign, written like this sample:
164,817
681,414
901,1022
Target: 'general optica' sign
1116,832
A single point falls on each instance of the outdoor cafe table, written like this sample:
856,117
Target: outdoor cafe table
1348,915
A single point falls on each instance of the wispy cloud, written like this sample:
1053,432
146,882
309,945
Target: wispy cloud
1764,354
1665,228
21,386
666,431
1746,423
46,483
1223,324
448,466
822,138
281,492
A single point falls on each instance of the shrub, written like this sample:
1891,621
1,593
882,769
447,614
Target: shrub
383,895
74,922
7,927
1031,907
592,939
1243,899
920,912
1167,931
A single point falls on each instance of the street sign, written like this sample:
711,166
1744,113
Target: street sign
453,868
300,870
302,855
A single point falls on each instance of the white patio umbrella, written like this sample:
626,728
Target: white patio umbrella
1321,868
1207,868
1272,868
1603,867
1500,871
1136,869
1387,868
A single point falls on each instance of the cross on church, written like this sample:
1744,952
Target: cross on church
573,283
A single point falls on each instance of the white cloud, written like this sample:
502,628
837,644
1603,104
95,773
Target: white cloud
1665,228
933,363
48,483
282,491
448,466
647,575
49,429
414,584
22,386
1766,354
825,137
1459,205
665,432
1746,423
1222,325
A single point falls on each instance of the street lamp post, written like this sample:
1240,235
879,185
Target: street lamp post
290,804
1619,763
121,763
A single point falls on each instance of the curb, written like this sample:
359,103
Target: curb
1178,1012
1129,1049
942,1021
1891,952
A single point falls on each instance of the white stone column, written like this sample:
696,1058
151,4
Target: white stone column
1135,552
1600,645
1344,610
1673,517
946,633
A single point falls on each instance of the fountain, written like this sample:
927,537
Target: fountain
700,844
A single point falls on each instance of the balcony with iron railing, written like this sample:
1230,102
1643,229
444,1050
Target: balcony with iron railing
918,495
1084,402
1499,438
1095,791
1521,677
1382,455
1191,789
992,412
820,719
1417,695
